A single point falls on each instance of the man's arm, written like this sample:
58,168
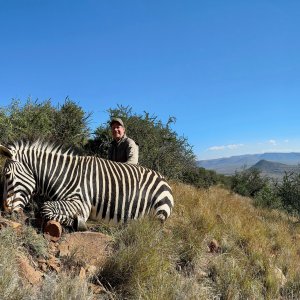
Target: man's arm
132,152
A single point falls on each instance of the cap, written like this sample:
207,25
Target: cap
116,120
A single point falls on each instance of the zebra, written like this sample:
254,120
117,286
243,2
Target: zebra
79,188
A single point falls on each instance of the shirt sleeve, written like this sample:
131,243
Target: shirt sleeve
132,152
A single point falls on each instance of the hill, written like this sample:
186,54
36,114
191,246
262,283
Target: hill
274,169
229,165
216,245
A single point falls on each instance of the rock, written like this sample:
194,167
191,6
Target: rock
91,248
41,261
280,276
91,270
27,272
53,263
43,267
214,246
98,290
202,274
82,274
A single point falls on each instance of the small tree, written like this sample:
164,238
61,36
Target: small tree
5,126
70,126
289,192
31,121
248,182
66,124
267,197
202,178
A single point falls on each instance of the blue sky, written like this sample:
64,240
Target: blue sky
229,71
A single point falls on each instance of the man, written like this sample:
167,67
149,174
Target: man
122,148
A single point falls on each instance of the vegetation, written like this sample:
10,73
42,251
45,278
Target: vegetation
288,191
216,245
10,280
203,178
66,124
248,183
267,193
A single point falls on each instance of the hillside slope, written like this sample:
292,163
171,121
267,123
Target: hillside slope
216,245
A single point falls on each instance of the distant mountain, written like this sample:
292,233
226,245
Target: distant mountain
231,164
274,169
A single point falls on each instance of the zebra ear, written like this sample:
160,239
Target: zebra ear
5,152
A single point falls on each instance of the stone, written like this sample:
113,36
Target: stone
91,248
280,276
28,272
214,246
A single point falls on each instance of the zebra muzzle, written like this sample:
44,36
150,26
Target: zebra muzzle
6,208
5,204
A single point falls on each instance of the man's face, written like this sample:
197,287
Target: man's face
117,130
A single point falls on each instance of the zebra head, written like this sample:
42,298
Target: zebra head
19,182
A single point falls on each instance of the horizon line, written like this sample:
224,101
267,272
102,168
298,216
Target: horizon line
221,157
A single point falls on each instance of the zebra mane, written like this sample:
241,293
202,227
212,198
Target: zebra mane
43,146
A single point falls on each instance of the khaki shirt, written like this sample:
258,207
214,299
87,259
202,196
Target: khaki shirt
126,150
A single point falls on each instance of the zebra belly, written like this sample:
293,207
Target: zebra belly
119,211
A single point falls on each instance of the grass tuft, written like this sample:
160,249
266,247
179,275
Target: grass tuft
143,263
64,287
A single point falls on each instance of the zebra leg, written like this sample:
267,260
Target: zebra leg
68,213
80,224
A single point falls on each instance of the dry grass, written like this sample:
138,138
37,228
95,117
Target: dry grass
142,264
10,282
255,245
257,257
63,287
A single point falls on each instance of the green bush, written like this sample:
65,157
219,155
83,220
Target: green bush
203,178
289,192
70,126
268,198
66,124
248,182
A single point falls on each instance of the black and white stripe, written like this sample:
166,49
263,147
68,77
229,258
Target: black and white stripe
83,186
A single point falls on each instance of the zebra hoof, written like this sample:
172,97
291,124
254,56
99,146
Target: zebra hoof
80,224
